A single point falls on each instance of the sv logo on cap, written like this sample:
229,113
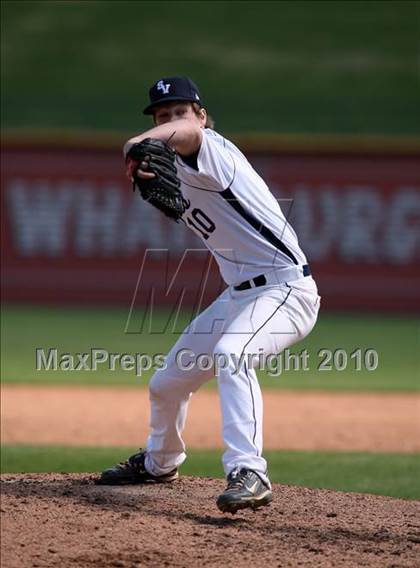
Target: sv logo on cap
164,87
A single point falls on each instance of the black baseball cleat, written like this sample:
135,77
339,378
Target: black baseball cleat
133,471
245,489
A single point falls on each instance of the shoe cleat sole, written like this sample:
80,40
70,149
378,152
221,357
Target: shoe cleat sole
232,507
134,481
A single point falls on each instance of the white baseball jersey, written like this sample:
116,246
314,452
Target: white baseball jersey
233,211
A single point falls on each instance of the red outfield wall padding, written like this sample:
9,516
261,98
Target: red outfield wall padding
72,230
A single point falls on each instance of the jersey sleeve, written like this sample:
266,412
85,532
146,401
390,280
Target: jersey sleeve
215,160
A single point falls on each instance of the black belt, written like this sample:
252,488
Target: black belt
261,280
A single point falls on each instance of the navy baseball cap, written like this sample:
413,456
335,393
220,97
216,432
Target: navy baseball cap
170,89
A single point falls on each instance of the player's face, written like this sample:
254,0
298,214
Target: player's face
176,111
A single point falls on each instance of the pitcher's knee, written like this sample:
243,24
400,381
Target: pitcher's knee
160,385
170,385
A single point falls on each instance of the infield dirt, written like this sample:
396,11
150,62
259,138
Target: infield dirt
293,420
67,521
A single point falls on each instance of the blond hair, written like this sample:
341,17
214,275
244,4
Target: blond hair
209,121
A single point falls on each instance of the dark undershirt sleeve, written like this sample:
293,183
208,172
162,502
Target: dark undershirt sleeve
191,160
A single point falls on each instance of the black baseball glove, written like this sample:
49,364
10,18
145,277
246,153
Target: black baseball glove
162,191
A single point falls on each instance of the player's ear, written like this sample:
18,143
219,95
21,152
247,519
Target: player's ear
203,116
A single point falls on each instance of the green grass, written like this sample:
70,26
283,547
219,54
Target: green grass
73,330
290,66
395,475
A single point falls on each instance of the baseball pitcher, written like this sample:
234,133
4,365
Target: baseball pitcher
199,178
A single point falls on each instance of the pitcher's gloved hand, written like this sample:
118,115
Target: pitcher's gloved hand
160,184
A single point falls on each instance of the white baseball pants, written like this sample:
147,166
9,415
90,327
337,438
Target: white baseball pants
266,319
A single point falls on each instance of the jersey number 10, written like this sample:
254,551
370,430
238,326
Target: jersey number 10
201,223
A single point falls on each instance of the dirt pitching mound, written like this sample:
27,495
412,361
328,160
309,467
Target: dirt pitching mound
67,521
